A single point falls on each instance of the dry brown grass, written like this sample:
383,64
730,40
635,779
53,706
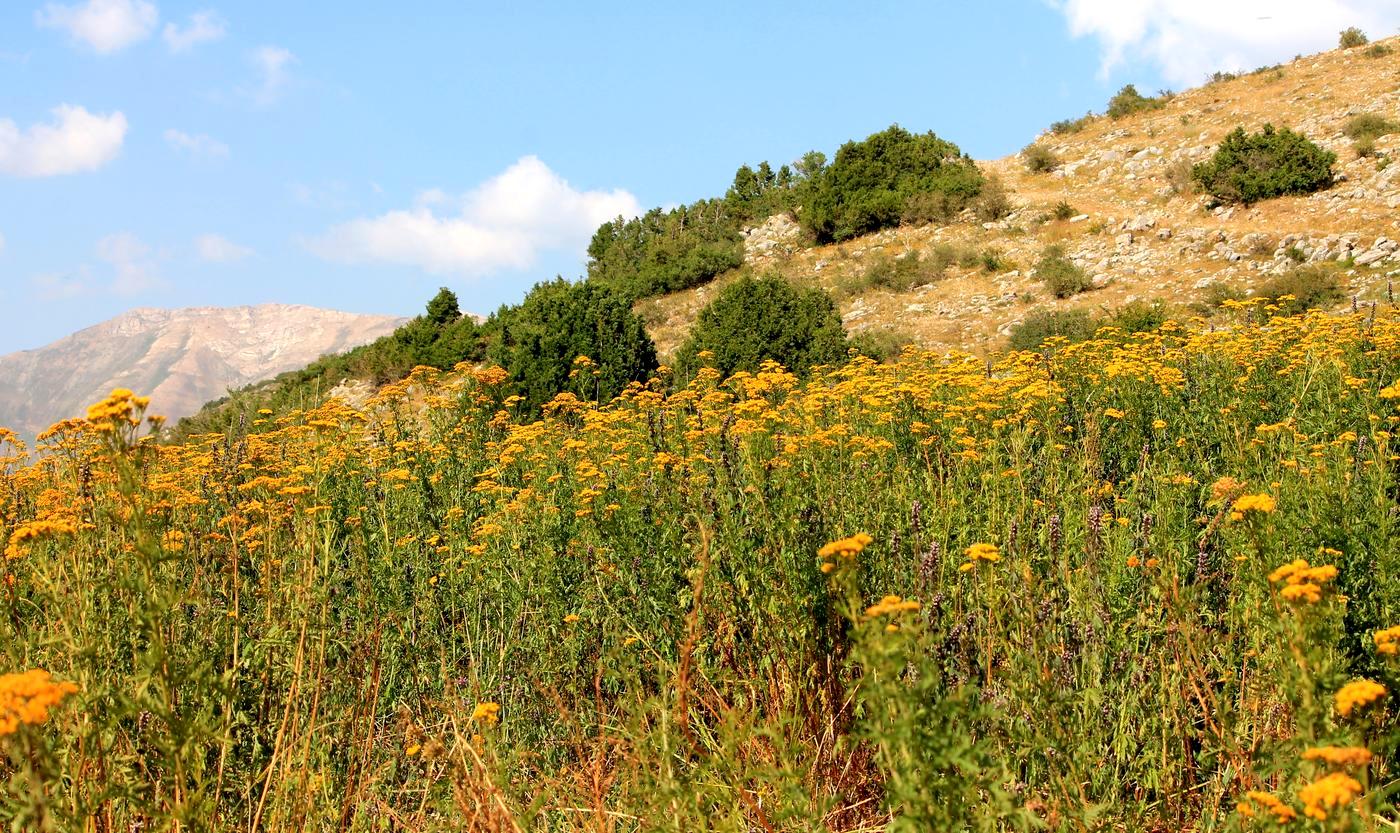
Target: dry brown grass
970,309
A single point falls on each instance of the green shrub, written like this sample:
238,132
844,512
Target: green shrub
1137,317
871,184
757,319
662,252
1378,50
1063,211
991,260
1302,289
992,203
1042,325
930,207
538,341
1214,298
1249,167
1079,325
1351,38
1129,101
882,345
1059,274
1039,159
1066,126
1369,126
897,274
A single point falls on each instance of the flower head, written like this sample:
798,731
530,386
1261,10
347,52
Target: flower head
27,697
843,550
1388,641
487,713
979,552
1356,694
1282,812
1335,790
1246,505
1339,756
891,606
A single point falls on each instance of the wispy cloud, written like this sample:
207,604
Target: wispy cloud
75,141
272,65
1186,39
105,26
203,27
504,223
197,145
215,248
131,260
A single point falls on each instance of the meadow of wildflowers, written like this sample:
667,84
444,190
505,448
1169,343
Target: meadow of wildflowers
1144,582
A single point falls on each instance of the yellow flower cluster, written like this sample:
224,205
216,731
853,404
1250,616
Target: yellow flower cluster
1244,505
27,533
843,549
1335,790
1302,583
121,408
27,697
1339,756
1388,641
891,606
487,713
1282,812
1356,694
979,552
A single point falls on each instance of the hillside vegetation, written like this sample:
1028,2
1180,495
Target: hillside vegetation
1144,582
1143,575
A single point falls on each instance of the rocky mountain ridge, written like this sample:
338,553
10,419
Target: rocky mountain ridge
181,358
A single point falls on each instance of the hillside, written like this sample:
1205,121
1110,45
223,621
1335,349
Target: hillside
181,358
1129,227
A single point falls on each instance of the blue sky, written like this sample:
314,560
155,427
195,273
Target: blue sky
358,155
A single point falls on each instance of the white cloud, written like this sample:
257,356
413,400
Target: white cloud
196,144
504,223
273,66
132,260
106,26
204,26
216,248
75,141
1187,39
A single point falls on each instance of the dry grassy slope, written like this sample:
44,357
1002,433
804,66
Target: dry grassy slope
1116,173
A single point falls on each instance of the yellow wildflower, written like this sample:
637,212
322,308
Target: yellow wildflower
979,552
843,548
1356,694
1388,641
32,531
487,713
26,698
1282,812
1335,790
891,605
1339,756
1262,503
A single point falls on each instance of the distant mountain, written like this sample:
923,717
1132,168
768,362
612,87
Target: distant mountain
181,358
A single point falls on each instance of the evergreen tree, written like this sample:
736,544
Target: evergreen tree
539,341
758,319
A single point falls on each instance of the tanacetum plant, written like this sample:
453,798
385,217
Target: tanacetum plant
1147,581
